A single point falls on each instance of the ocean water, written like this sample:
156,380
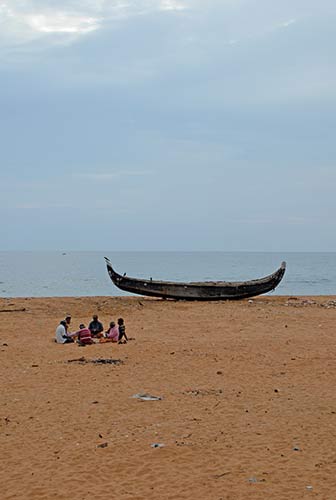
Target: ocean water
61,274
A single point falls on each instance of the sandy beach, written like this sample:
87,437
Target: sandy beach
248,406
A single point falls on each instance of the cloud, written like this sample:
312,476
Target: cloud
22,22
61,22
172,5
287,23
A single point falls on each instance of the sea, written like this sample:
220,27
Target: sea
67,273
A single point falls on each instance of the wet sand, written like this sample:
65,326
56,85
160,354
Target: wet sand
248,406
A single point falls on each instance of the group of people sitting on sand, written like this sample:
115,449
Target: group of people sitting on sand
88,335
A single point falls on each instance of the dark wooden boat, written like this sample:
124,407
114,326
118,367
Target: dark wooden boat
207,290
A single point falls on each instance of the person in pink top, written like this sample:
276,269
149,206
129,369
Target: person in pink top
112,333
83,335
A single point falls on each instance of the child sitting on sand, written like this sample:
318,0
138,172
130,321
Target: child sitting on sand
112,333
122,332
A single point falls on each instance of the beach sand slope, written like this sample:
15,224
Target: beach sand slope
248,406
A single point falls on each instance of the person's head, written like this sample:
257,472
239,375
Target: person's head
120,321
112,324
63,322
95,317
68,319
81,326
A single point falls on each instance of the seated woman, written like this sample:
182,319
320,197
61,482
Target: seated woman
112,333
84,336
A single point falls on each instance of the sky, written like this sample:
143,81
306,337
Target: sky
168,125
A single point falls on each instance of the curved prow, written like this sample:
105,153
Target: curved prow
282,270
108,264
279,274
115,277
121,281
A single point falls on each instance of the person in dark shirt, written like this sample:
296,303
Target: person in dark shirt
122,332
67,322
96,327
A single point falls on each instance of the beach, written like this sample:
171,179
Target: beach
247,404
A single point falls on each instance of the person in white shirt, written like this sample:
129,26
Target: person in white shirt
61,336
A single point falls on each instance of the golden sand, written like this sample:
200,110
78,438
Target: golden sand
248,408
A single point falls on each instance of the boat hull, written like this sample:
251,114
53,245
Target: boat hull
209,290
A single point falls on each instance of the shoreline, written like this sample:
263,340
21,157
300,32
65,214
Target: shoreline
65,297
248,404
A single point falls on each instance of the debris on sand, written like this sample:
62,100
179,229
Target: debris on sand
329,304
146,397
102,445
203,392
22,309
98,361
253,479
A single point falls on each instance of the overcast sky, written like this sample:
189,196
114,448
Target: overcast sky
168,125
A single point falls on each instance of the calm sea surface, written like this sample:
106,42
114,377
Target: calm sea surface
52,274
